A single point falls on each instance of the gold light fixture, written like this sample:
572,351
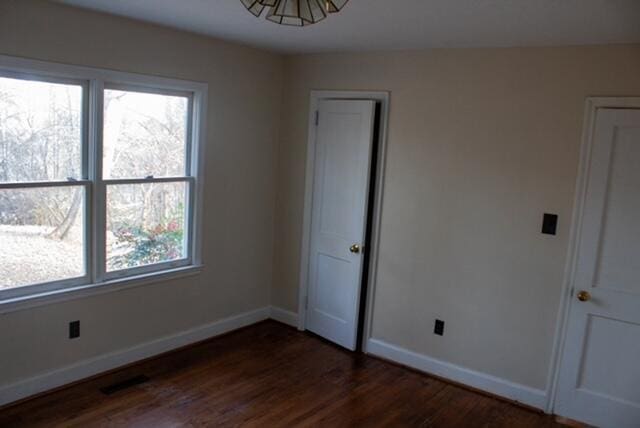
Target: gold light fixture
294,12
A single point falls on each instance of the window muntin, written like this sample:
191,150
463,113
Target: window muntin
83,170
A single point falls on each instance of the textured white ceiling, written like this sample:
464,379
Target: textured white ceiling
366,25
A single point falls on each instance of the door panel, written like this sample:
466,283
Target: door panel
599,380
619,264
333,274
344,137
612,348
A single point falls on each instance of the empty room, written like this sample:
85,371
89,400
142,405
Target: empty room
333,213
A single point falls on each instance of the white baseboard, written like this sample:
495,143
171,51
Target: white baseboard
495,385
83,369
284,316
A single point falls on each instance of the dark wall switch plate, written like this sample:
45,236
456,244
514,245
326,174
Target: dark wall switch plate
439,328
74,329
549,224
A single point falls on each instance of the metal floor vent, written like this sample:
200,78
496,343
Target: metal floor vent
127,383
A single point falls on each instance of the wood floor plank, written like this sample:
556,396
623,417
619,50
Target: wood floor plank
269,375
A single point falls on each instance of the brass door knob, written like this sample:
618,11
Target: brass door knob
355,248
584,296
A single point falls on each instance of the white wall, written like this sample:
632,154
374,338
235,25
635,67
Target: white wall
481,143
245,92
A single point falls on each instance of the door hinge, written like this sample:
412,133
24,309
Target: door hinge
317,117
306,302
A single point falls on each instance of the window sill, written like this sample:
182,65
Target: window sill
78,292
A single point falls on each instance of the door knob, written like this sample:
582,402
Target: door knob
584,296
355,248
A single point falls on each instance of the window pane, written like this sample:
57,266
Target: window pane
145,224
144,134
41,235
40,130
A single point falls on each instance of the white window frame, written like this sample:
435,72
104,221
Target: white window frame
94,81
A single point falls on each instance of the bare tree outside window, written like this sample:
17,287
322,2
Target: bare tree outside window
145,135
42,229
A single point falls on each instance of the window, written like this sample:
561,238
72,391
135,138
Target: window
145,170
98,176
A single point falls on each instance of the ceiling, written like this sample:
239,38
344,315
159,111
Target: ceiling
366,25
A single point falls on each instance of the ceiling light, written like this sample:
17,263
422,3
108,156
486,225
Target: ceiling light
294,12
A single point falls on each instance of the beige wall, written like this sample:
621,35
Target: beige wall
245,92
481,143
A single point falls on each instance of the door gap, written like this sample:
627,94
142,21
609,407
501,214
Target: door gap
368,241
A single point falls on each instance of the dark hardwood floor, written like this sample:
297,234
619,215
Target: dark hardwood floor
269,375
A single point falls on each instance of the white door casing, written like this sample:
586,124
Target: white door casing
599,374
344,138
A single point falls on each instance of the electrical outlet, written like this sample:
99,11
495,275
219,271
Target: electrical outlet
74,329
439,328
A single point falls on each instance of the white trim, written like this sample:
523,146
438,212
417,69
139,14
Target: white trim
90,367
88,290
31,67
99,215
284,316
145,269
384,99
495,385
40,184
125,181
591,106
197,168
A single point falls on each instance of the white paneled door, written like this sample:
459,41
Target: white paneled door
599,379
344,138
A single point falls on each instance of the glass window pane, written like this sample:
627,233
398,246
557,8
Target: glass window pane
40,130
144,134
145,224
41,235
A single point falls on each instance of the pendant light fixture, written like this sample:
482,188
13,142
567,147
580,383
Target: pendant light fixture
294,12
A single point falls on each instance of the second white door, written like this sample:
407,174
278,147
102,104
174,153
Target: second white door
599,379
344,138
